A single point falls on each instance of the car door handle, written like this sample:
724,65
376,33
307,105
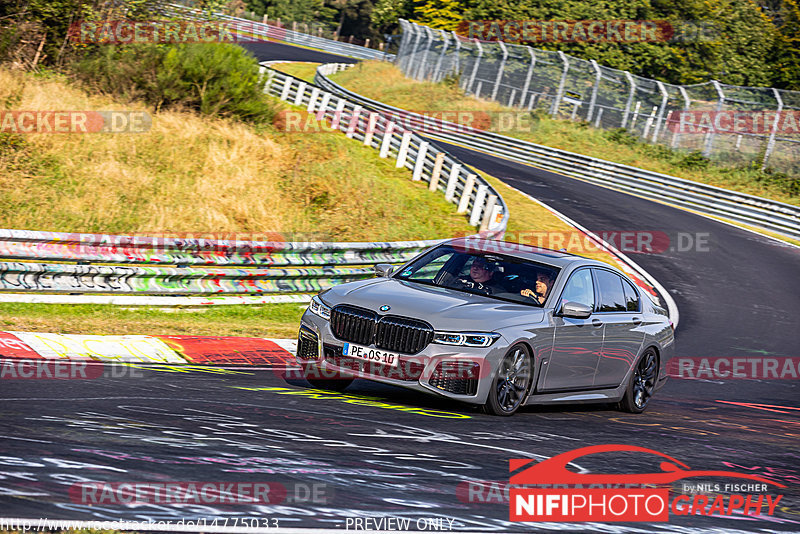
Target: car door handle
637,321
597,322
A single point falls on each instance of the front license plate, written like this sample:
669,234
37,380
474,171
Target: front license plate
371,355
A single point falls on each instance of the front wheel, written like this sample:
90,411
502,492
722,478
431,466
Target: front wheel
642,384
512,382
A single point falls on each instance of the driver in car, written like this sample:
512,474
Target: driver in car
480,274
541,288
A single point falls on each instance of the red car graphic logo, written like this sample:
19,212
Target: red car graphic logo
554,470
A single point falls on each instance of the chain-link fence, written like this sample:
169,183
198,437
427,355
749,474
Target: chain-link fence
729,124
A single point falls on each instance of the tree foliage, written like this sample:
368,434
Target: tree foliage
735,41
218,79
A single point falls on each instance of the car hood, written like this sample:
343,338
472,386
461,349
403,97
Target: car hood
445,309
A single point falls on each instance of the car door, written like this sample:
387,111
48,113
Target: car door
618,308
577,342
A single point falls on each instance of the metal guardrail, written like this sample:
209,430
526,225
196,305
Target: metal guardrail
245,27
470,192
705,199
181,266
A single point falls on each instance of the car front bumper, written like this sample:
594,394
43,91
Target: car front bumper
456,372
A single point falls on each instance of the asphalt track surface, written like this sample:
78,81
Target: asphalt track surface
408,456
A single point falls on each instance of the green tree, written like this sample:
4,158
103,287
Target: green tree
439,14
292,10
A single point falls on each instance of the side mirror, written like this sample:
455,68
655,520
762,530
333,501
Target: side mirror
384,270
576,310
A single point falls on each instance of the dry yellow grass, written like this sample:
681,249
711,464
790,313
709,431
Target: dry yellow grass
190,173
304,71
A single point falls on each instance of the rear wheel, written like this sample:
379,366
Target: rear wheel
642,384
315,376
512,382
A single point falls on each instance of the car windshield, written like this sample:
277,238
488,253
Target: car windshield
492,275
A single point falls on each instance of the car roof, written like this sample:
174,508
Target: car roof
556,258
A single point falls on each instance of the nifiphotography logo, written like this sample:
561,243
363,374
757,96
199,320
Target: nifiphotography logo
578,497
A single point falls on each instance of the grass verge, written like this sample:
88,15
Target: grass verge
304,71
385,82
197,174
273,320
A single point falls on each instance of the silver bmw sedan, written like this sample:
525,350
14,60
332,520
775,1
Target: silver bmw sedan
492,323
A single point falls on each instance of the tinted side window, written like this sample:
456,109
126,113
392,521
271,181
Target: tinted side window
428,272
612,297
579,289
631,297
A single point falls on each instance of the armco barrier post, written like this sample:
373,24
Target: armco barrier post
475,214
437,170
323,106
450,192
402,153
298,97
418,165
465,194
287,85
373,120
386,143
351,128
270,79
312,100
488,212
337,114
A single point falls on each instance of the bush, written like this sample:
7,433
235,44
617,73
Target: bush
217,79
621,136
788,184
693,160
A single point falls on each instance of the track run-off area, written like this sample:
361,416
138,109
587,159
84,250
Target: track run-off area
374,452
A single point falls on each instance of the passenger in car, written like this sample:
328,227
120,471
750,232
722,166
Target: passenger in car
541,288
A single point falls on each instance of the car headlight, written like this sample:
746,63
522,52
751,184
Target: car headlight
467,339
318,308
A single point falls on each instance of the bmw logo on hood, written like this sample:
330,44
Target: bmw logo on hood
385,307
